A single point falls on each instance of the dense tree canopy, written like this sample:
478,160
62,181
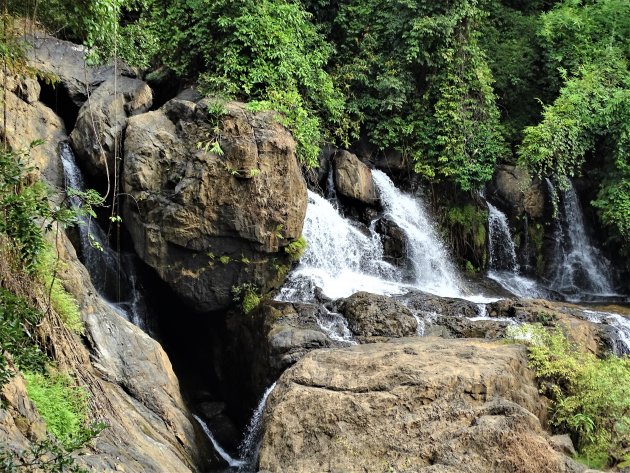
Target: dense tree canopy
454,86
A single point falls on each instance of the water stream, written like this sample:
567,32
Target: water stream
250,446
579,268
503,264
113,274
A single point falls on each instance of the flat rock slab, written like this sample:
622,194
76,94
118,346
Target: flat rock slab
414,404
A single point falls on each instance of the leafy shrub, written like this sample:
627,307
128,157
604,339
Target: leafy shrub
247,295
62,302
591,396
17,320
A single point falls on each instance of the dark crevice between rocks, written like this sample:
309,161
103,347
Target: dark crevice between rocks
194,343
56,97
165,86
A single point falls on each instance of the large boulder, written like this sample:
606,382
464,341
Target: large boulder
517,191
29,120
133,384
371,315
98,133
425,303
411,405
65,62
214,198
353,179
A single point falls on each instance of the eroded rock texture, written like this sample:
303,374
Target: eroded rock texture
421,404
208,222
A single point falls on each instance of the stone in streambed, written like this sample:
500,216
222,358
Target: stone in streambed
371,315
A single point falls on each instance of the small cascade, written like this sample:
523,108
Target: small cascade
579,267
102,262
335,326
433,270
331,193
503,263
232,462
619,323
250,446
340,258
501,249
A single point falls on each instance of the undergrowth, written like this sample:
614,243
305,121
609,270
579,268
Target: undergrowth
60,402
590,396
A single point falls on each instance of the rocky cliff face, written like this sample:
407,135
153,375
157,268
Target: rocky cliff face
210,219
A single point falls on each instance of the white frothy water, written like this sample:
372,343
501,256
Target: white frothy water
234,463
503,264
250,446
579,267
620,323
340,259
432,267
335,326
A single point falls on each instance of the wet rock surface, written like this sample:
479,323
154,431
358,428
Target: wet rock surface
353,179
421,404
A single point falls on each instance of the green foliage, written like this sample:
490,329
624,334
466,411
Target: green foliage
47,456
419,82
247,295
587,48
264,51
17,323
62,302
296,248
464,227
591,396
61,403
509,38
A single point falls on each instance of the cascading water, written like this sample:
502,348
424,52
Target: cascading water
232,462
579,267
619,323
102,262
503,263
502,251
340,259
432,268
250,446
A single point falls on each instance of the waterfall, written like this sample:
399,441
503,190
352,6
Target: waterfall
619,323
578,266
222,453
340,258
103,263
250,446
335,326
501,249
503,264
433,270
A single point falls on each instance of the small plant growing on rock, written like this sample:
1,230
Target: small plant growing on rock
247,295
296,249
590,396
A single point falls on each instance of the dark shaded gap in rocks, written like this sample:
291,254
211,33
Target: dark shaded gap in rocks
57,98
196,343
165,86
